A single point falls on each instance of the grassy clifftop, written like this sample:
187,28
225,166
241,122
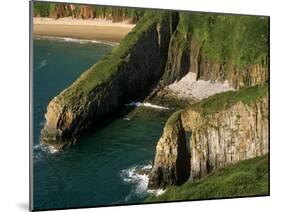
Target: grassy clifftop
227,99
246,178
228,39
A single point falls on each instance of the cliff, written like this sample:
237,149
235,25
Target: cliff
225,128
219,48
60,10
126,73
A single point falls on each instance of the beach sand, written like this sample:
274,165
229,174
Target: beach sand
97,29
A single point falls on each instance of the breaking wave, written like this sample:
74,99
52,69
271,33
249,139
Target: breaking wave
147,104
137,176
40,150
42,64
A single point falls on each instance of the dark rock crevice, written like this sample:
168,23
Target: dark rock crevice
172,159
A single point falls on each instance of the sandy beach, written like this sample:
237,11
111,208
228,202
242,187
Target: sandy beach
97,29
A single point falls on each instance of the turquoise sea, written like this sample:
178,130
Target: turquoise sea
103,168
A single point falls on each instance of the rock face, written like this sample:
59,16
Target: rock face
178,61
226,137
172,160
219,138
137,63
185,55
194,49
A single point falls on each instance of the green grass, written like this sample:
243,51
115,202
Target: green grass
246,178
175,117
241,40
104,70
227,99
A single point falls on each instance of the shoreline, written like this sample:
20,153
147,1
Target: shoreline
97,29
74,40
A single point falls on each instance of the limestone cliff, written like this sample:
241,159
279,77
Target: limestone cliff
178,61
225,129
219,48
131,68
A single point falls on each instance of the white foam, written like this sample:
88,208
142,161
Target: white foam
139,180
45,148
126,119
42,123
41,150
156,192
52,150
136,104
75,40
42,64
147,104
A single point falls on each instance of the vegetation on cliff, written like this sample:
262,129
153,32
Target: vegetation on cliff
218,48
227,39
104,70
246,178
225,100
59,10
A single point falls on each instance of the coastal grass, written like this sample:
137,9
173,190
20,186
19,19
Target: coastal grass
225,100
105,70
175,117
246,178
227,39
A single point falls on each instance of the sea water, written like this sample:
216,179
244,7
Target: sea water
101,168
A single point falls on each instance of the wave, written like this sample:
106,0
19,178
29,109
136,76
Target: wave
75,40
137,176
42,123
147,104
45,148
156,192
41,149
42,64
126,119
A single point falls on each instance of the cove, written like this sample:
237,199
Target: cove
100,170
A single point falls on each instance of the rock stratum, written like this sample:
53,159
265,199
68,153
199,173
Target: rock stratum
161,49
225,128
